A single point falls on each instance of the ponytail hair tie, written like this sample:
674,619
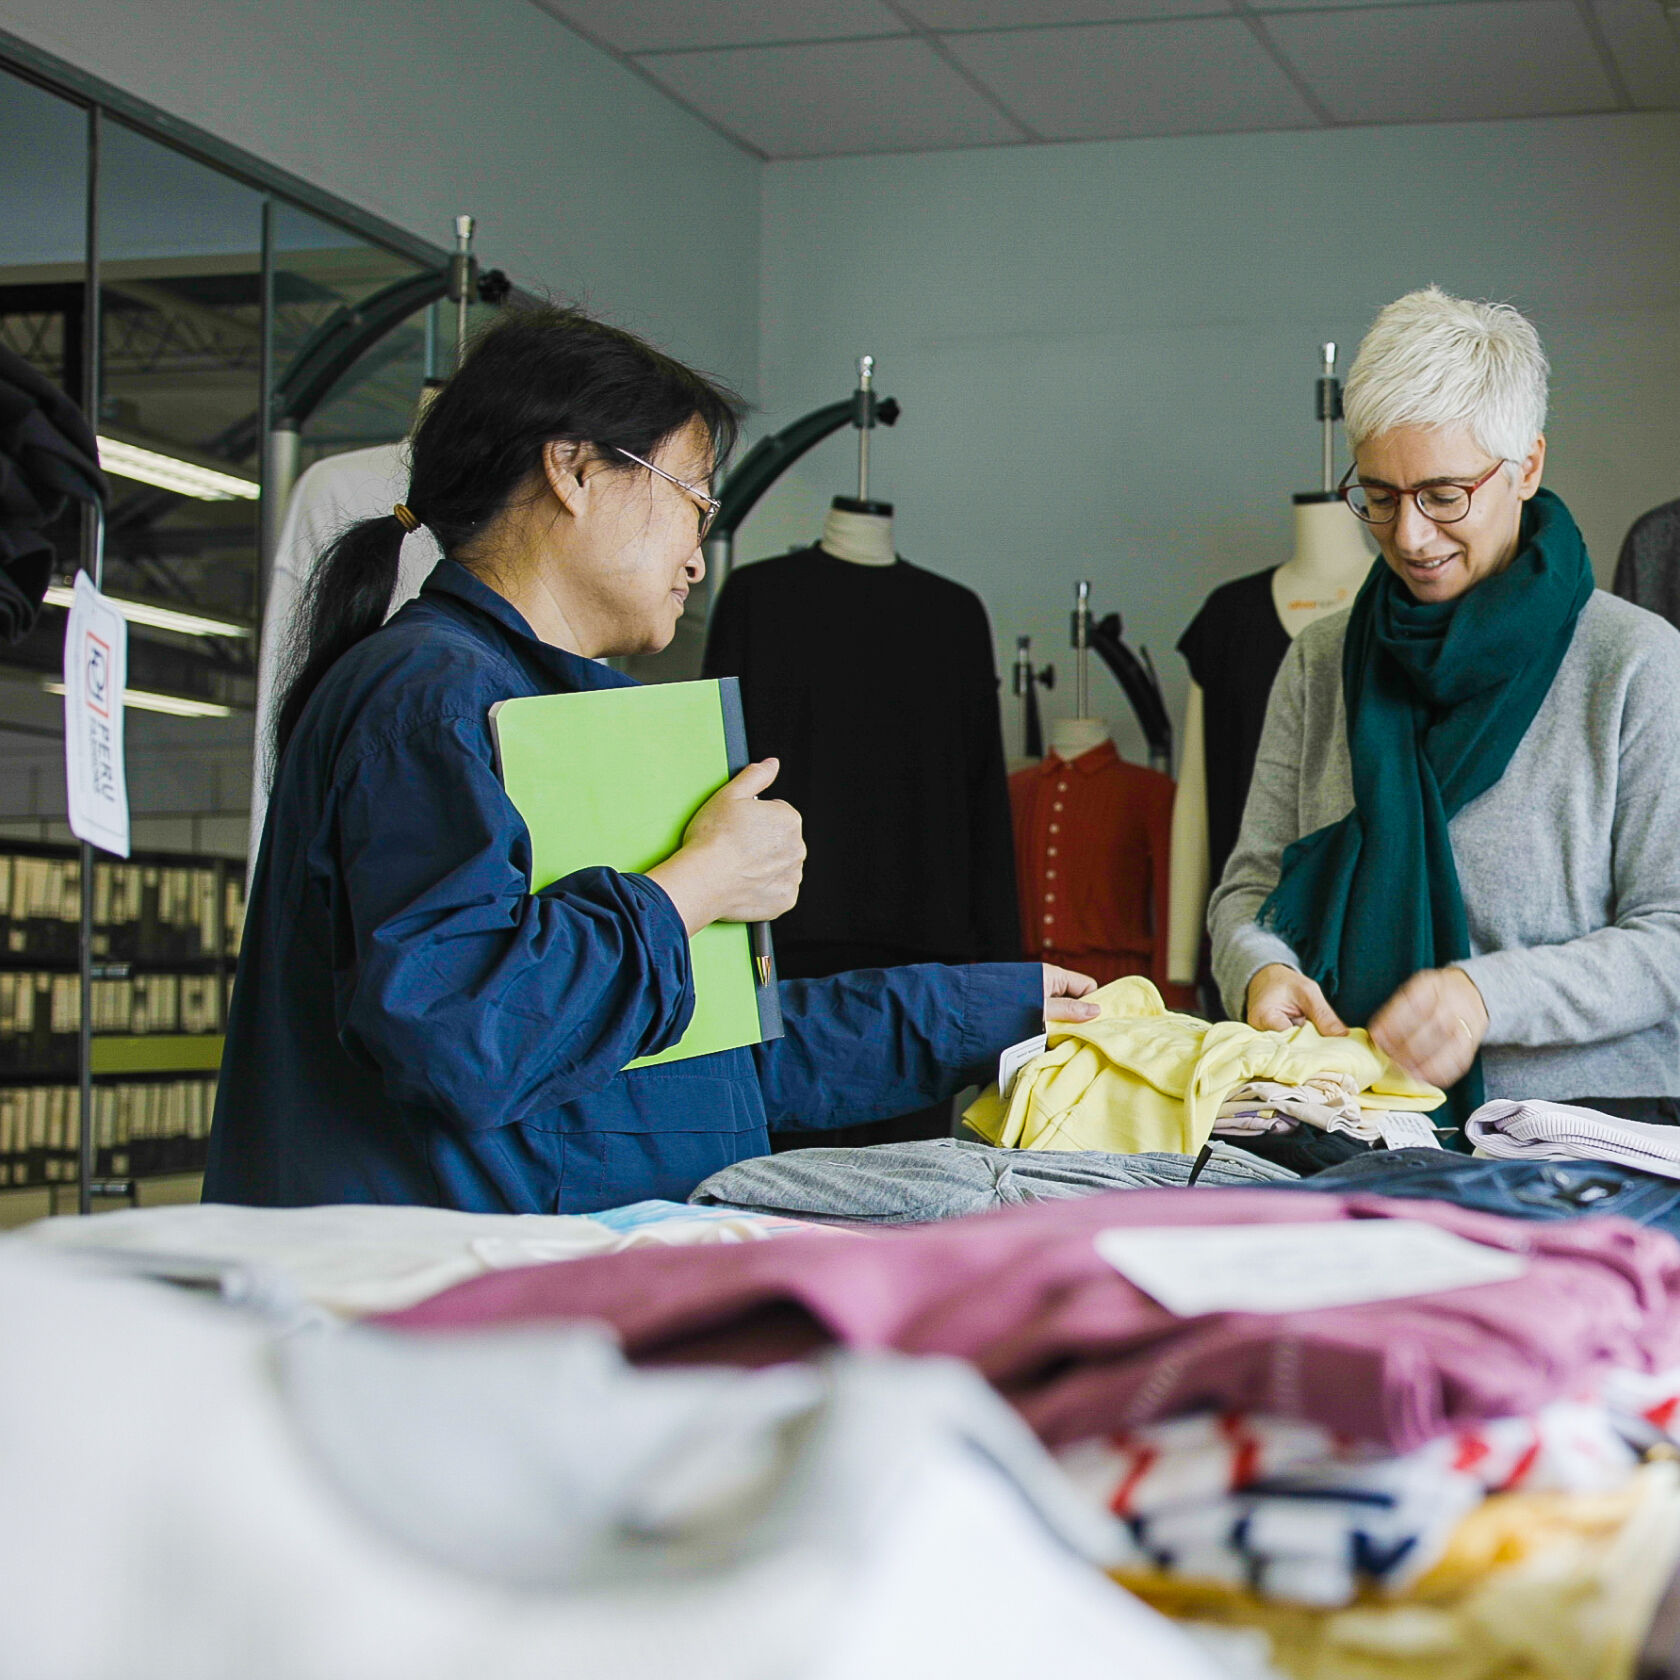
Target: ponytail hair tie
404,516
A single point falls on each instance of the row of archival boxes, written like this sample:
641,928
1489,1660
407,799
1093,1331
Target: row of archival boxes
141,1128
141,912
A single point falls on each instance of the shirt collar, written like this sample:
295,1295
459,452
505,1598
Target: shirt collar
450,577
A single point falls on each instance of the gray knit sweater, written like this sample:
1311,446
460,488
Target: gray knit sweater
1569,864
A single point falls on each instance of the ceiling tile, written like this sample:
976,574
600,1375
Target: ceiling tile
1111,81
833,99
658,25
1646,46
1018,14
1463,63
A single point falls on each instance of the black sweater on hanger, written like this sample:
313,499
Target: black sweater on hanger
876,687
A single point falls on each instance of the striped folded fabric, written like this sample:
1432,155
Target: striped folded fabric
1301,1516
1547,1131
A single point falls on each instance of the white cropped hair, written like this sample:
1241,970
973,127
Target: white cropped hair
1434,360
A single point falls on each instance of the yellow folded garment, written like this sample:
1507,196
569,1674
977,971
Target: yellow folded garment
1534,1586
1138,1078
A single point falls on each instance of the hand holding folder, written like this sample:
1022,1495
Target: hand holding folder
613,777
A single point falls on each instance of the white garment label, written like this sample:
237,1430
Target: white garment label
95,675
1403,1130
1015,1058
1297,1268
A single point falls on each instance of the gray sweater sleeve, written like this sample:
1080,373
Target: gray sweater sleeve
1271,822
1624,976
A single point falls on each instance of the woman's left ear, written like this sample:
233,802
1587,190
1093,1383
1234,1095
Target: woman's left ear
562,465
1528,481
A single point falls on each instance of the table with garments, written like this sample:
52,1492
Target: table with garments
1412,1413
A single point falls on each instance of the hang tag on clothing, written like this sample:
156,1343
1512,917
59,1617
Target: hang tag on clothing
1015,1058
1299,1268
95,676
1403,1130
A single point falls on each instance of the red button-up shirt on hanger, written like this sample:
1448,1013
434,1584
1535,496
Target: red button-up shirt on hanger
1092,839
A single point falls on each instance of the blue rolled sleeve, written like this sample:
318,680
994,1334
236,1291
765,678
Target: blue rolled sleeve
879,1042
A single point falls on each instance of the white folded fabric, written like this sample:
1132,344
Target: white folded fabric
1329,1102
1547,1131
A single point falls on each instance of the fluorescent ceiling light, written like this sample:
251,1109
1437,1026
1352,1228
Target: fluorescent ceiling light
170,472
159,618
176,705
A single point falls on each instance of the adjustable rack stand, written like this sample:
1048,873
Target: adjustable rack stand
770,457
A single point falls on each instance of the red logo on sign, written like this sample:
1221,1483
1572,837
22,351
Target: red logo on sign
97,667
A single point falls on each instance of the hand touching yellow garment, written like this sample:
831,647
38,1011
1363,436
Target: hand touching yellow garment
1139,1078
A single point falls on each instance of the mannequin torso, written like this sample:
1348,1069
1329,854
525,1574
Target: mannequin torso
1322,576
1324,573
1071,738
866,539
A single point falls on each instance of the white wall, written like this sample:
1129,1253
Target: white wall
1106,352
585,181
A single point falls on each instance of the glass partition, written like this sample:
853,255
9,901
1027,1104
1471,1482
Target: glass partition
180,269
321,269
43,208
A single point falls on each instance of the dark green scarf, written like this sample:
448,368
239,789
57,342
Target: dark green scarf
1438,696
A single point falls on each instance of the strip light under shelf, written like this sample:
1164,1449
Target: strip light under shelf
158,618
175,705
170,472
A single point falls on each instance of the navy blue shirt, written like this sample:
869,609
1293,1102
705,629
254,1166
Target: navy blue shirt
411,1024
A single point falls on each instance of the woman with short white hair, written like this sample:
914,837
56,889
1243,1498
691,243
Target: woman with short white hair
1464,825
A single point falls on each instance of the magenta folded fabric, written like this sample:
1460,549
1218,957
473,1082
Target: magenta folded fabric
1024,1295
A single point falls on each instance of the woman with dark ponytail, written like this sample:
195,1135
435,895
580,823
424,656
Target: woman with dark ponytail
409,1022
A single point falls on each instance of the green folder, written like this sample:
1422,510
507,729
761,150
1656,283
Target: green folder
611,777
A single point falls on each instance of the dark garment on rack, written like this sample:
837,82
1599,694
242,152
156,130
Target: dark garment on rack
1233,647
1518,1189
876,687
1306,1150
48,459
1648,568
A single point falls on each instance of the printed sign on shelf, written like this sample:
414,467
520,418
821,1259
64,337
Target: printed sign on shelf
95,675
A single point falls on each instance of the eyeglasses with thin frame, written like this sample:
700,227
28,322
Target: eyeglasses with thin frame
1440,504
709,506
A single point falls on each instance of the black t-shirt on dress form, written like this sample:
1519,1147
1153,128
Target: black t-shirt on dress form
876,687
1234,648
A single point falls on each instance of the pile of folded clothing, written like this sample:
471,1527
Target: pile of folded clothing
1521,1188
1139,1078
349,1261
1029,1296
1532,1586
1307,1408
1548,1131
947,1178
1296,1514
1329,1101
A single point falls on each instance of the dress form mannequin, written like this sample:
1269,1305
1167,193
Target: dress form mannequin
1322,576
1071,738
863,537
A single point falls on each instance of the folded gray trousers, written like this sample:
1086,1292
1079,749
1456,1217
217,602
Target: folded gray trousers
944,1178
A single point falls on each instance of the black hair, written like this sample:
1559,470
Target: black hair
539,374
